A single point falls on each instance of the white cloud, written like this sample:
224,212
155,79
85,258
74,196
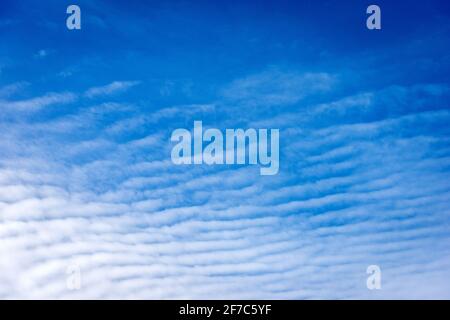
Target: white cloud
41,53
11,89
35,104
277,88
349,195
113,87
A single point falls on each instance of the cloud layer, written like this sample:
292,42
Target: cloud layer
364,179
87,183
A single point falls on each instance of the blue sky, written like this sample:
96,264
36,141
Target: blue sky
85,171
